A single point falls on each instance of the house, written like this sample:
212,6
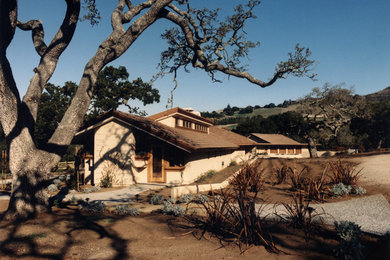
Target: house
277,145
174,147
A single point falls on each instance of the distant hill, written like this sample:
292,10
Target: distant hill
383,95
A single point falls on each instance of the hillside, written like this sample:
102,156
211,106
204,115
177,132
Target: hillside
383,95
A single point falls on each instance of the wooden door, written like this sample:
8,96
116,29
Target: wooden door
156,169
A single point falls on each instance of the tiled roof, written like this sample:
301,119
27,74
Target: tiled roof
178,110
275,139
188,140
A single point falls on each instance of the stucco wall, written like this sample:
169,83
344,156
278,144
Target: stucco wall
170,121
201,162
114,154
304,154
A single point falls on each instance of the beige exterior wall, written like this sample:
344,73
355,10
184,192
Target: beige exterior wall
200,163
170,121
304,154
114,153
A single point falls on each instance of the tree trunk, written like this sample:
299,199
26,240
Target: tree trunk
29,195
313,148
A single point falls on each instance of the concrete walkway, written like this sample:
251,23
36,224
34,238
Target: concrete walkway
371,213
115,196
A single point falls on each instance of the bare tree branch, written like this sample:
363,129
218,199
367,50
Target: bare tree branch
211,51
49,55
37,34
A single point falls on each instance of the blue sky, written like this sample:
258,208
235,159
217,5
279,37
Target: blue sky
349,40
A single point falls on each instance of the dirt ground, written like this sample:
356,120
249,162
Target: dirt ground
68,233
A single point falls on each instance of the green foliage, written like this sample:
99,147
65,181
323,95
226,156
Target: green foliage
233,163
186,198
157,200
171,209
52,188
113,89
359,190
350,247
289,123
106,179
93,207
340,189
205,176
54,102
126,210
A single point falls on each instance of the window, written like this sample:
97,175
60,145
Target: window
187,124
200,128
174,157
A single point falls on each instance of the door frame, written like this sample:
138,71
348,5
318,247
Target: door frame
151,179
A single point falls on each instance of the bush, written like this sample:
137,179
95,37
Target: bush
186,198
206,175
233,213
93,207
281,174
87,190
171,209
202,198
126,210
347,230
52,188
233,163
298,180
343,172
359,191
96,188
340,189
157,200
56,181
62,177
106,179
350,246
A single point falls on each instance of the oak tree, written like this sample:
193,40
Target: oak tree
198,39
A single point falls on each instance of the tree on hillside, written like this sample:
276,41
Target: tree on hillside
199,39
289,123
329,111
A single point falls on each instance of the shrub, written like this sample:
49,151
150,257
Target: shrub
52,188
56,181
300,214
93,207
202,198
171,209
233,213
233,163
298,181
106,180
281,174
62,177
347,230
315,188
186,198
126,210
96,188
157,200
206,175
350,246
340,189
343,172
87,190
359,190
